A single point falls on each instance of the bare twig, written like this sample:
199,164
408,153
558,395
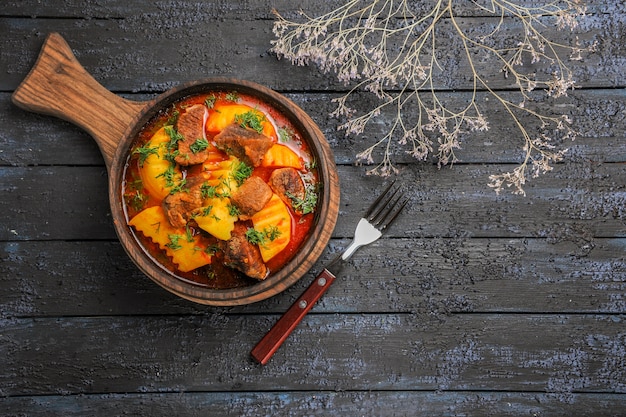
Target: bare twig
353,41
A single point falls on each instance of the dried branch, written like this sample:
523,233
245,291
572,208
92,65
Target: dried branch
355,42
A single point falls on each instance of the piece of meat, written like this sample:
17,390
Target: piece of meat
288,185
251,197
190,126
242,255
246,144
179,206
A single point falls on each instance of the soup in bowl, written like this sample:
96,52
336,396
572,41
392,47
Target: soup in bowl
228,192
220,189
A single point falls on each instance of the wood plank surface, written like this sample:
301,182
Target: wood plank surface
472,304
560,354
317,403
123,62
446,276
247,10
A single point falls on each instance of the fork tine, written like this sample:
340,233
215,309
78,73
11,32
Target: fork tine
386,214
390,218
373,209
386,208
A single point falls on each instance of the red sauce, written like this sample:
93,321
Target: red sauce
216,275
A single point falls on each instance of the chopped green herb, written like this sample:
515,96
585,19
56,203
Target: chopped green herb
207,191
199,145
170,179
261,238
210,101
134,195
233,210
171,156
210,191
145,151
173,243
180,187
311,164
255,237
225,186
285,134
241,172
138,200
175,137
232,96
251,119
135,185
174,116
157,226
188,234
168,174
307,204
271,233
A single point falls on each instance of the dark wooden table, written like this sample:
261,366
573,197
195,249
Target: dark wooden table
473,304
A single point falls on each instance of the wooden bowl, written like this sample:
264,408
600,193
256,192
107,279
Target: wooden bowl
58,85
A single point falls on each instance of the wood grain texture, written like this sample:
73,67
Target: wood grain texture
243,11
122,61
560,354
446,276
58,85
316,403
472,304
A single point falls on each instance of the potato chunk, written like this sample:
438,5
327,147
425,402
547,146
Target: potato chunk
273,220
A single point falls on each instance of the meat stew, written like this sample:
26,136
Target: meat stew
220,189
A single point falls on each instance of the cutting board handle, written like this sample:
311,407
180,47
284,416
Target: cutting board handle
58,85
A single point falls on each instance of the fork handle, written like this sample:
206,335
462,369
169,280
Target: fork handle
270,343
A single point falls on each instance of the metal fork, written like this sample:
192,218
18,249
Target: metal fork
382,212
